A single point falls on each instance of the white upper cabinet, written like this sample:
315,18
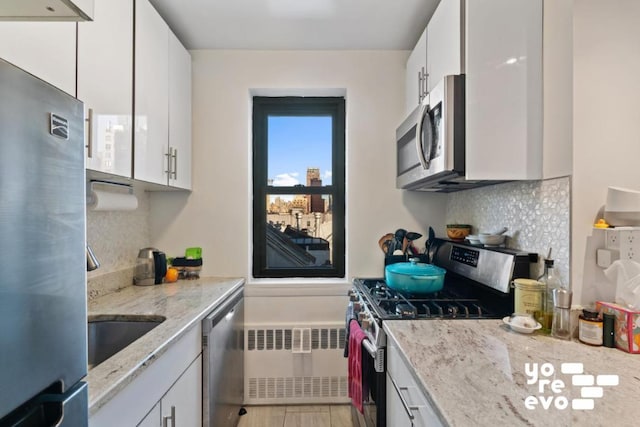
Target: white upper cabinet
416,75
105,85
47,10
445,43
151,95
162,137
45,49
179,114
506,138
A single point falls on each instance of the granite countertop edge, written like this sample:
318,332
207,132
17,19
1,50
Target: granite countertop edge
490,360
183,305
427,393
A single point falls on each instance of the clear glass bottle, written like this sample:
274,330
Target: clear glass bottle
561,324
551,280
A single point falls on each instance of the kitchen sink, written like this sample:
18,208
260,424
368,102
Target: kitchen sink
108,334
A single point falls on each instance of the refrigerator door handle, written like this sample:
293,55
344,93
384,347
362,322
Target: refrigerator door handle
69,409
89,145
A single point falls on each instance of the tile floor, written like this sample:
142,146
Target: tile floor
297,416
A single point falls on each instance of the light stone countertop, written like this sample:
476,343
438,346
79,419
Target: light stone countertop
473,371
184,304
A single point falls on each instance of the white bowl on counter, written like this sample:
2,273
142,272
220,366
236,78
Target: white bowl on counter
473,239
491,239
522,323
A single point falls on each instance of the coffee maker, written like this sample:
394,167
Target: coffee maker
151,267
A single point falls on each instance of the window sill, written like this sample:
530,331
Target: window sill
297,287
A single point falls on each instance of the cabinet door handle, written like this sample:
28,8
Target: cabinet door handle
172,417
424,83
419,87
408,408
175,163
168,156
89,121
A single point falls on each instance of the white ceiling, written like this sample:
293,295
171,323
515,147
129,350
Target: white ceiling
297,24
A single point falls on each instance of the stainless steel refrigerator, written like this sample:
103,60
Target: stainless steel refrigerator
43,309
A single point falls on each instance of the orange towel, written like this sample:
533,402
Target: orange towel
356,336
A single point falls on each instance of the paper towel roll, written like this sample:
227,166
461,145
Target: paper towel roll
108,201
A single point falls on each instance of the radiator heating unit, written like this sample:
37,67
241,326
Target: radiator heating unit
293,364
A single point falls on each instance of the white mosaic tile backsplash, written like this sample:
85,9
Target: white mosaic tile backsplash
117,236
537,214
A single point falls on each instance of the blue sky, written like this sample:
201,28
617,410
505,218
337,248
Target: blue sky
296,143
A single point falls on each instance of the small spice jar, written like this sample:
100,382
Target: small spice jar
590,327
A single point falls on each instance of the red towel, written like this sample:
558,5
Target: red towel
356,336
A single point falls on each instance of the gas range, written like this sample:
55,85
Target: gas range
477,285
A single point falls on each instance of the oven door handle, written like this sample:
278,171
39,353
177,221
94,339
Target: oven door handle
371,349
408,408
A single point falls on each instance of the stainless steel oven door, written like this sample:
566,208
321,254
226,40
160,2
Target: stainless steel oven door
375,400
430,143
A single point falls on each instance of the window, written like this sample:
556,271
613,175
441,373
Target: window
298,187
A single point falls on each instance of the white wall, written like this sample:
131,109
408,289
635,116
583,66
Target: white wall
606,124
217,215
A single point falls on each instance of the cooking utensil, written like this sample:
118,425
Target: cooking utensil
384,243
399,237
501,231
405,245
414,278
411,235
429,248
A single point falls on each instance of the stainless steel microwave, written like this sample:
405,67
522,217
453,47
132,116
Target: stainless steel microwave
431,142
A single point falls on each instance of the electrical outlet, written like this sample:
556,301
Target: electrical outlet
612,241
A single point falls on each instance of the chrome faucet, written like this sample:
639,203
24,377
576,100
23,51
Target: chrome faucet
92,261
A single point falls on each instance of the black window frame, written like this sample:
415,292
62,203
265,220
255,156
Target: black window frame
263,107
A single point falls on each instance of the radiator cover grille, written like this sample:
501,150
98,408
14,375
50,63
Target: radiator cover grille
297,387
295,364
290,338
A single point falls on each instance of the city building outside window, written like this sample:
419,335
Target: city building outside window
298,187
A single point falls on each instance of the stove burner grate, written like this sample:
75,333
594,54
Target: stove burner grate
445,304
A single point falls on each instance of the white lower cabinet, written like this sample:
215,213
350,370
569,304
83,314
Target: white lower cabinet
407,404
174,380
152,419
182,405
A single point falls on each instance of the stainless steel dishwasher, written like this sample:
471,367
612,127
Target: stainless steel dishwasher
223,363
